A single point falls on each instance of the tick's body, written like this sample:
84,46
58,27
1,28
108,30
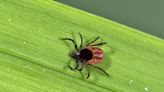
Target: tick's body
97,57
87,56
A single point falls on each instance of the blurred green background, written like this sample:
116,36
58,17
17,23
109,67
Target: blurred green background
145,15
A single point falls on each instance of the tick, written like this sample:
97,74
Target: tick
87,56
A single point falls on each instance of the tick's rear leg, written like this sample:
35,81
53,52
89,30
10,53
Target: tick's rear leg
98,44
93,41
101,70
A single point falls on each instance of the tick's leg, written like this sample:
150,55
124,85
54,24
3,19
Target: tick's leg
101,70
81,39
102,43
81,68
93,40
71,67
69,39
88,71
77,65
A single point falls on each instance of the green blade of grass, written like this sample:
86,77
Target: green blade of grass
33,59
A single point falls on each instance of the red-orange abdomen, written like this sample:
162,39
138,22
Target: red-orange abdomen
97,57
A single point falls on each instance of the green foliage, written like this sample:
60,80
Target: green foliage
33,59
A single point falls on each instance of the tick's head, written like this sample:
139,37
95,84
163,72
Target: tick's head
74,55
